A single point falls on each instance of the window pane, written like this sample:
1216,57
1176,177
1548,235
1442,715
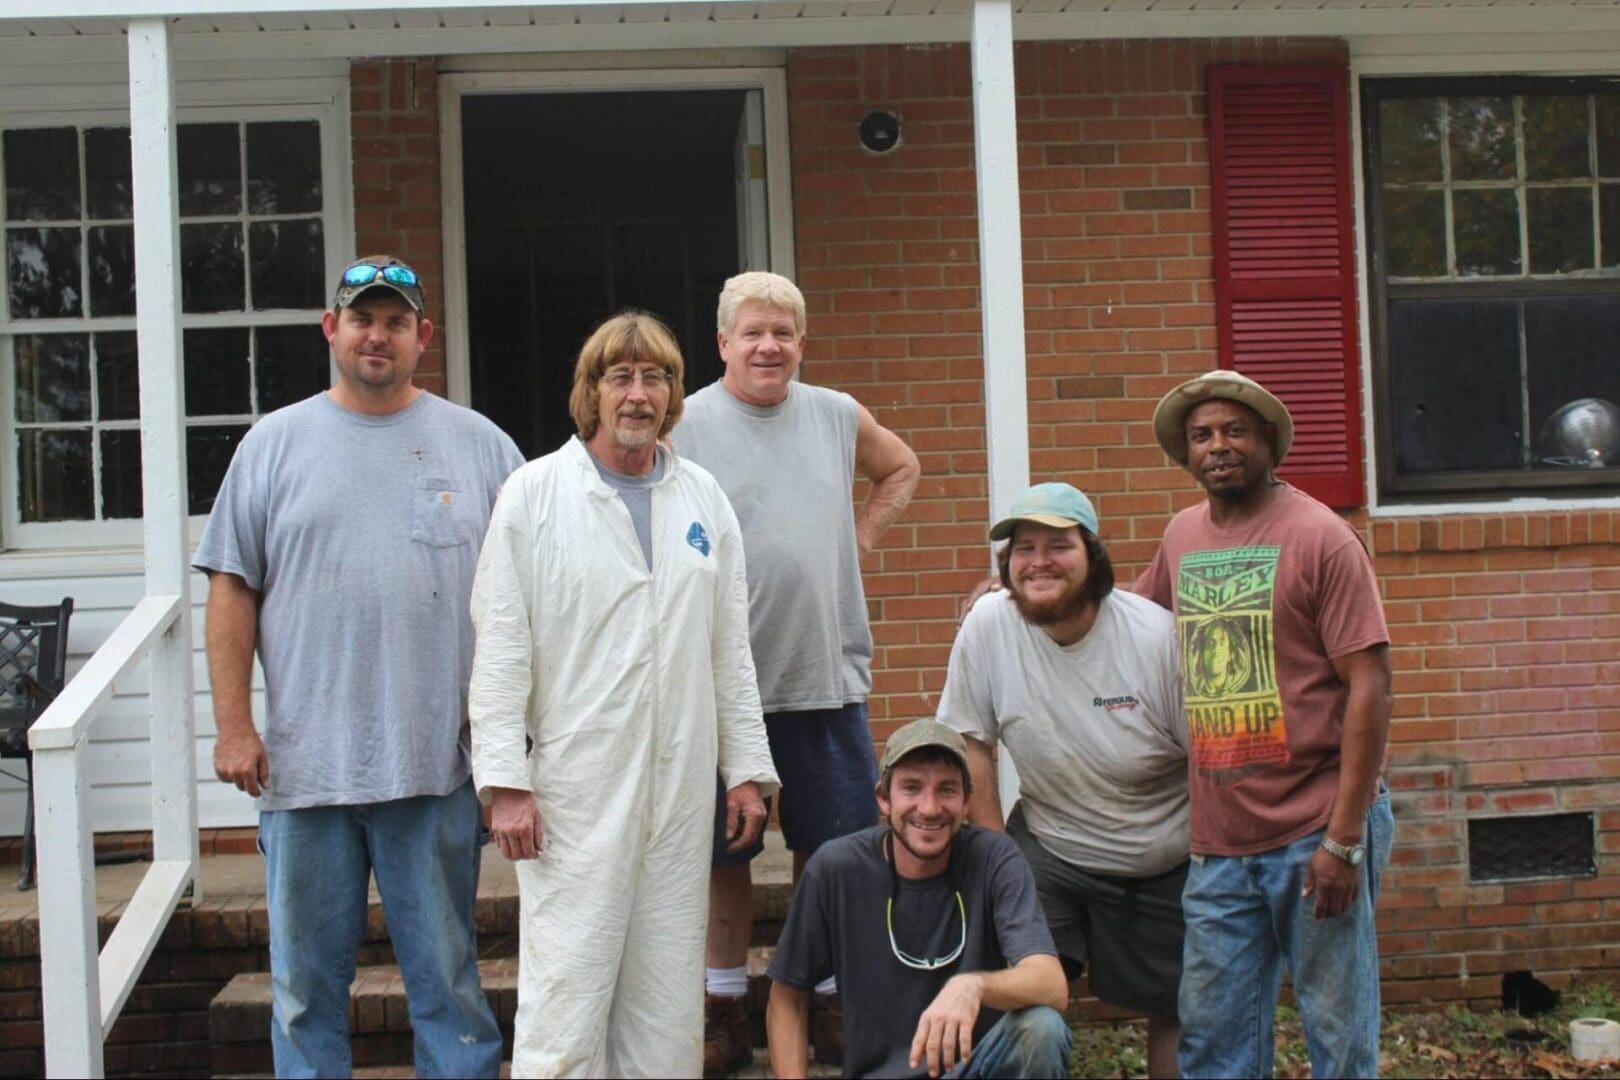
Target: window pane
118,395
42,174
44,269
1482,138
1409,139
217,372
1454,371
293,363
1555,138
1569,343
53,475
53,377
120,474
1608,134
112,270
1560,229
1487,232
208,455
1609,224
210,170
211,267
284,167
107,184
289,263
1415,232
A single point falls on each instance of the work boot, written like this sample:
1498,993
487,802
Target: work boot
827,1028
725,1036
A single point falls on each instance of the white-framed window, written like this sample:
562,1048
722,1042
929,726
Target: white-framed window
258,215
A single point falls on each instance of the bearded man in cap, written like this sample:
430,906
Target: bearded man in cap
1080,684
342,547
933,930
1287,685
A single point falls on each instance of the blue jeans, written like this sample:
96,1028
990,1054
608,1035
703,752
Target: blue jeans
318,864
1245,919
1032,1043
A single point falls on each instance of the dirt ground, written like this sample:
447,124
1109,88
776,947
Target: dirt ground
1441,1043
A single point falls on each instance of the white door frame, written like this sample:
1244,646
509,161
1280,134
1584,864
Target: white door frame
772,82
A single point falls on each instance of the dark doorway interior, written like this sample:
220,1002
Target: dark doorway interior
579,205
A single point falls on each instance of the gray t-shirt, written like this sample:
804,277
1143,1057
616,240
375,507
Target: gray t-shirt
1095,728
789,472
636,494
361,534
836,926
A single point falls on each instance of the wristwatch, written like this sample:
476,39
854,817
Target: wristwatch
1352,854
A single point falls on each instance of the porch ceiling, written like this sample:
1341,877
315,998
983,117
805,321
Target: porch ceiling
311,29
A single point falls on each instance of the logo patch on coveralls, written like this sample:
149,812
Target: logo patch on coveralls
698,538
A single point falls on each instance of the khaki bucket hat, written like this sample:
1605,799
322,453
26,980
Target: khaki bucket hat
1170,418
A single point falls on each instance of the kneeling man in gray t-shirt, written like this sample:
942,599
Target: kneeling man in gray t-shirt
933,930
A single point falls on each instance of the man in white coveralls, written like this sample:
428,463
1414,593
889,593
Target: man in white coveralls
611,608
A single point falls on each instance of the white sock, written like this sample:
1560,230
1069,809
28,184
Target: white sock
726,982
828,986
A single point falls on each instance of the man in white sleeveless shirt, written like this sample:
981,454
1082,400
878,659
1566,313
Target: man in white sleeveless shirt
786,455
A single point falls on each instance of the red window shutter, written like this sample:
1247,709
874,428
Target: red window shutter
1285,276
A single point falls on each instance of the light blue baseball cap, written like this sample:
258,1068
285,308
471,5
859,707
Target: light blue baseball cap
1057,505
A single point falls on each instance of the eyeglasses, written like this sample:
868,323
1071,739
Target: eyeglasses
914,962
652,379
366,273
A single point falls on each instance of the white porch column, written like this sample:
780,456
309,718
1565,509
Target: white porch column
1001,274
163,444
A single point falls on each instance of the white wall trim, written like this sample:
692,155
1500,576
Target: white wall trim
771,81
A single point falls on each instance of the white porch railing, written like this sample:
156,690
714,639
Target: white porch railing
82,990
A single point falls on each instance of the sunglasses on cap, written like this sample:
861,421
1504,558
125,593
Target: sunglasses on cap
366,273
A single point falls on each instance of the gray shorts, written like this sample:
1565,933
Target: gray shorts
1126,932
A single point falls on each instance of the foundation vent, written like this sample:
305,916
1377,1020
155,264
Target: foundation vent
1532,846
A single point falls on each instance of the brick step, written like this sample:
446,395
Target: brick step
379,1017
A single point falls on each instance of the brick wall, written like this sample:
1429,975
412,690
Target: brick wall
394,117
1506,627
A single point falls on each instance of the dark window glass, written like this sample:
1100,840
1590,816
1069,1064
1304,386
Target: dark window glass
42,174
1409,139
1608,134
1486,225
211,267
118,395
53,476
208,455
1415,222
107,183
217,372
1609,224
1569,350
1560,229
210,170
1482,138
1555,138
112,269
1455,372
293,363
44,269
284,167
289,263
53,377
121,474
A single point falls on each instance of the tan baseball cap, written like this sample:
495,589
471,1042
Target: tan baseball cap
1170,418
921,733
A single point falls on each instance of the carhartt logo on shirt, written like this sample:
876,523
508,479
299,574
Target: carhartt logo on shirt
698,538
1124,701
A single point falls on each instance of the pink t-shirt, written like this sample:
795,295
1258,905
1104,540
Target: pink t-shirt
1262,609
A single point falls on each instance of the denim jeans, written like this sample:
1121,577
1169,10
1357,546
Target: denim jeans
1245,919
318,864
1032,1043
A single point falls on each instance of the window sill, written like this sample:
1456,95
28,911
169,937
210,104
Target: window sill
74,562
1517,523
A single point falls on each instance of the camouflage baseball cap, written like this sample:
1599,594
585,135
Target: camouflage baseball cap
921,733
379,272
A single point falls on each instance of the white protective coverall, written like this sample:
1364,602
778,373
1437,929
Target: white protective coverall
633,686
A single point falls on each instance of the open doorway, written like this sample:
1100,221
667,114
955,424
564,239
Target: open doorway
580,204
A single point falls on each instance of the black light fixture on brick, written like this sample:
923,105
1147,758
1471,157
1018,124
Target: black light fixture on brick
880,131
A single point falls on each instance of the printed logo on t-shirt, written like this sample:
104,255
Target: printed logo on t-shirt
698,538
1228,657
1114,704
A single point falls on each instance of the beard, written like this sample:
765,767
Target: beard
1070,602
635,438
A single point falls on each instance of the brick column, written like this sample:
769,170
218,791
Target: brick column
395,130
